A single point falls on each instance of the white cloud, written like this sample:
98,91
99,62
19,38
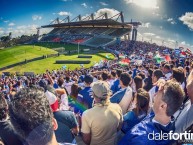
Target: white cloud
11,24
9,28
171,20
66,0
158,37
84,5
22,27
36,17
145,25
183,42
144,3
1,32
6,21
171,40
110,12
103,3
64,13
187,19
149,34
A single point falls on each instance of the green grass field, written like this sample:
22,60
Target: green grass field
19,53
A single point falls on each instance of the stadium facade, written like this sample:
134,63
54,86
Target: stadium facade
91,31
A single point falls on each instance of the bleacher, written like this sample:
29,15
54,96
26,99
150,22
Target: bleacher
91,36
98,41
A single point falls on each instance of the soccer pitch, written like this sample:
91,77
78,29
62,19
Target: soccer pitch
20,53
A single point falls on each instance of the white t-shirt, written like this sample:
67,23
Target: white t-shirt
64,102
68,86
168,75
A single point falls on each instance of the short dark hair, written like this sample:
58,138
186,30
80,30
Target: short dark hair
158,73
61,81
3,108
167,66
31,116
125,78
178,74
173,96
104,76
118,72
113,73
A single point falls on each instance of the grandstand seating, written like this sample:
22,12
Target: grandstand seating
92,36
98,41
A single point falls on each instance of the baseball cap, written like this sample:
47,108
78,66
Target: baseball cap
53,101
101,89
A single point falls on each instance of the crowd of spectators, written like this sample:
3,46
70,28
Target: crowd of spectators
110,105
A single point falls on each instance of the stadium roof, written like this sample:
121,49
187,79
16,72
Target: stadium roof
91,23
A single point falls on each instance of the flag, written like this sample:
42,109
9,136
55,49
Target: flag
121,56
64,67
158,58
124,62
167,58
107,56
188,51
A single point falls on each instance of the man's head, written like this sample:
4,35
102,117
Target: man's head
178,75
125,80
88,80
189,86
32,117
101,90
3,108
104,76
169,99
118,72
156,75
166,69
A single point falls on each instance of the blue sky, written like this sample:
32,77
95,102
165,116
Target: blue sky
168,20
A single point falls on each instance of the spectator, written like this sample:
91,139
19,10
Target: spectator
101,123
157,74
116,85
148,81
137,114
167,101
167,71
85,95
138,83
183,116
34,120
7,133
124,96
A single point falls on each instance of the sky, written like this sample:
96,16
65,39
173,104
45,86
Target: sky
166,22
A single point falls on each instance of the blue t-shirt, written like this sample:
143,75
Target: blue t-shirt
130,119
117,97
116,86
85,97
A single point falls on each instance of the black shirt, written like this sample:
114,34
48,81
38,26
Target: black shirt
7,134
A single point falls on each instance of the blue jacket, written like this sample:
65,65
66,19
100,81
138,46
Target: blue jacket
139,134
